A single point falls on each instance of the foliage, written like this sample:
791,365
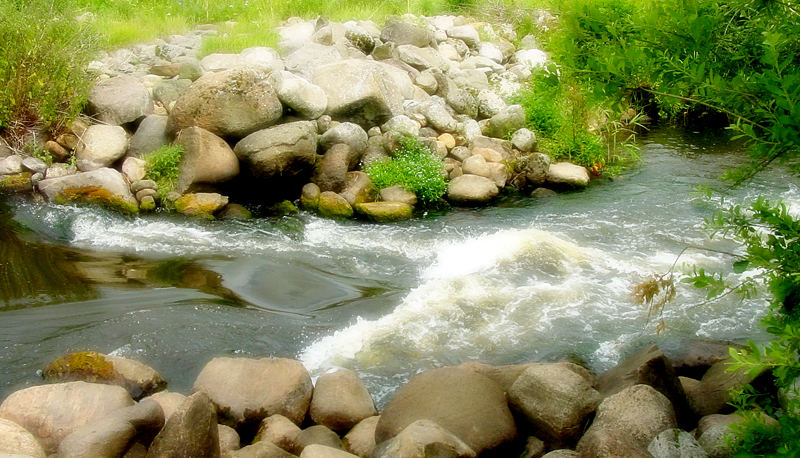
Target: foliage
43,52
162,167
770,236
414,167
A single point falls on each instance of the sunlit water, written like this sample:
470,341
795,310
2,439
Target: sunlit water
527,280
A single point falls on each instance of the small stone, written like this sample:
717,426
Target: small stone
56,150
448,140
138,185
200,204
147,192
148,203
361,439
134,169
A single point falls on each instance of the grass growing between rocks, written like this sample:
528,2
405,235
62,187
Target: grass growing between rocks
414,167
162,167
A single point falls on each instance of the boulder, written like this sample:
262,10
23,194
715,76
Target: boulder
505,122
286,150
331,170
362,91
555,399
402,32
60,170
306,99
524,140
120,100
168,401
535,167
491,51
421,58
332,205
309,196
714,434
166,92
262,58
235,212
34,165
531,58
134,169
340,400
627,422
206,159
424,438
233,103
466,33
649,367
358,188
360,440
218,62
260,450
109,436
438,117
398,193
675,443
18,182
712,394
16,440
52,412
150,135
320,435
11,164
139,379
101,146
306,60
322,451
427,82
534,448
248,390
467,404
191,431
459,99
279,430
59,151
489,104
562,453
385,212
505,376
102,186
349,134
567,174
228,439
471,190
200,204
402,125
693,357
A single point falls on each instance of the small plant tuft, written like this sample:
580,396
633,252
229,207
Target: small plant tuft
162,167
415,167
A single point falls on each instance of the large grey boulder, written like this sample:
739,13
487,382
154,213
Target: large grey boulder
191,431
262,58
555,399
505,122
467,404
16,440
101,146
421,58
206,159
567,174
52,412
466,33
306,99
424,438
627,422
103,186
232,103
248,390
305,60
361,439
120,100
285,150
437,116
471,190
149,136
406,33
362,91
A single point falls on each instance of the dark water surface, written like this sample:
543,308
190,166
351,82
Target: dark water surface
524,280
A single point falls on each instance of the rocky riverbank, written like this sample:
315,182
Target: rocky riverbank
266,125
100,405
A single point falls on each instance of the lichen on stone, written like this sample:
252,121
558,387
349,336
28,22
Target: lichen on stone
96,195
87,366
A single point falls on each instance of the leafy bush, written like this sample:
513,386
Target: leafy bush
415,168
162,167
43,54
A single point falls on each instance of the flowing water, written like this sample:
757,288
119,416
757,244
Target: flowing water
526,280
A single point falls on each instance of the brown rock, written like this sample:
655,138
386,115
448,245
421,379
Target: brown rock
260,450
467,404
341,400
712,394
16,440
322,451
422,439
280,431
361,439
358,188
309,196
191,431
109,436
228,439
169,401
320,435
534,448
331,171
58,152
694,357
248,390
332,205
201,204
206,159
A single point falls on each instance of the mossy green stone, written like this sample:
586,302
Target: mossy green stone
284,208
147,204
332,205
97,196
20,182
385,212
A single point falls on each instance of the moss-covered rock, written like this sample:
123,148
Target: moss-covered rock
332,205
385,212
104,186
200,204
283,208
309,197
97,196
18,182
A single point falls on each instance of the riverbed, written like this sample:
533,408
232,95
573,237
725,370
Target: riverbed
524,280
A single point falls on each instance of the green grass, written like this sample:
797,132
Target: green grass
162,167
415,168
233,38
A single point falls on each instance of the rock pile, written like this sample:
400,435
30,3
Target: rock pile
333,97
242,407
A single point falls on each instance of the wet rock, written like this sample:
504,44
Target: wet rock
306,99
52,412
286,150
349,134
712,394
360,440
206,159
398,193
104,186
150,136
248,390
471,190
424,438
566,174
358,188
16,440
101,146
332,205
200,204
191,431
120,100
235,212
385,212
540,193
279,430
675,443
134,169
331,172
555,399
18,182
468,405
232,103
107,437
309,196
627,422
406,33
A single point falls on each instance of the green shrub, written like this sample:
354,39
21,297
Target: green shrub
162,167
43,54
415,168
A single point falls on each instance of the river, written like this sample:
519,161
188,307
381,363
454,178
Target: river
525,280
